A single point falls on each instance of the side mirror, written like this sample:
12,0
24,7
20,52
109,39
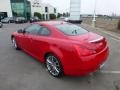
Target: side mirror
21,31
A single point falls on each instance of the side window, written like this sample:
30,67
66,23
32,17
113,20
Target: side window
33,29
44,31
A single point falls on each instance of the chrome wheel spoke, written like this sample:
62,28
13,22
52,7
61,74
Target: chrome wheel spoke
56,69
49,61
53,65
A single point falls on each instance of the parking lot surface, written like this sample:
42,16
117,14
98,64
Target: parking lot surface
20,71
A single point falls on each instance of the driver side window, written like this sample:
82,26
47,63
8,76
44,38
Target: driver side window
33,29
44,31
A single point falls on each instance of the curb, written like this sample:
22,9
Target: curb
112,34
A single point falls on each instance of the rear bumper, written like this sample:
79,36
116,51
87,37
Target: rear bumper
88,64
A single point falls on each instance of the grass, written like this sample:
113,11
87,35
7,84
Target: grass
105,23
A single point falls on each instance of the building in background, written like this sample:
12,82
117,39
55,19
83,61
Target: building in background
21,8
5,9
35,6
25,8
15,8
47,10
75,12
44,9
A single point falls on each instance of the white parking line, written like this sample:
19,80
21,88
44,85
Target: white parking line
110,72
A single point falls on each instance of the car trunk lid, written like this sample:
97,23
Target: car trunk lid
90,40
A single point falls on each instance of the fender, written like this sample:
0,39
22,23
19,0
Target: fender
54,50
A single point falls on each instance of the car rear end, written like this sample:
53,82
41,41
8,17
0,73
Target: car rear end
90,55
20,20
90,50
12,19
5,20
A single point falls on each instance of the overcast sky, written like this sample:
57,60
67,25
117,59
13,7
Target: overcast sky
87,6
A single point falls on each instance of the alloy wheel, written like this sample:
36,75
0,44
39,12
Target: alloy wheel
15,44
53,65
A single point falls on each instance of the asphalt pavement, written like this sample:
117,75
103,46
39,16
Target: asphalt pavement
20,71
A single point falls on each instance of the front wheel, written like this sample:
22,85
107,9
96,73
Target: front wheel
53,66
14,44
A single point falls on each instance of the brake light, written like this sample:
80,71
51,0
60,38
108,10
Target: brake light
83,51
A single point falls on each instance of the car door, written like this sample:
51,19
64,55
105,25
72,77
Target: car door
40,42
31,34
27,38
22,38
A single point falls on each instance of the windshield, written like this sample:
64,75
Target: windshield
70,29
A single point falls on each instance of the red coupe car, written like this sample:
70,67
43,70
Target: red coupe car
64,48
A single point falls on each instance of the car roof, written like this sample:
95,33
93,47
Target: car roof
52,22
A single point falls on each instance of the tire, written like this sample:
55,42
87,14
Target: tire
54,66
14,44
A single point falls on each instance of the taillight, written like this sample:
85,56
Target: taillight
83,51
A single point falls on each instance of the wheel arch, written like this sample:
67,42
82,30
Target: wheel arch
58,57
50,52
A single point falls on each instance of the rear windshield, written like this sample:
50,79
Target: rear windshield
70,29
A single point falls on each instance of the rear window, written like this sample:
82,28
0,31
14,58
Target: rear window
71,29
